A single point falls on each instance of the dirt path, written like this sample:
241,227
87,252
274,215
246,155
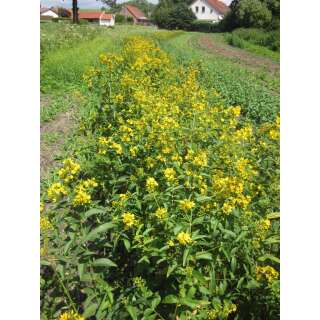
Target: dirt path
53,135
246,58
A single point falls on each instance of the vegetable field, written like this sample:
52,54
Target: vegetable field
165,201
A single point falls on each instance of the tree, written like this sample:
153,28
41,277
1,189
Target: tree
251,14
173,14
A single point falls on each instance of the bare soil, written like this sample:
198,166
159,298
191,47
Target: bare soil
61,125
248,59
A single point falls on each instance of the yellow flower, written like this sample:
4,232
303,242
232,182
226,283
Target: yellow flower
56,191
71,315
134,151
186,205
161,213
128,219
267,273
41,206
274,134
184,238
116,147
170,243
169,174
228,206
151,184
200,160
69,170
45,224
81,198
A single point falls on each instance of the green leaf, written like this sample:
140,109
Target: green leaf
170,299
92,212
233,264
103,262
204,256
155,302
81,270
127,244
171,269
185,256
133,312
269,257
212,280
90,311
274,215
95,233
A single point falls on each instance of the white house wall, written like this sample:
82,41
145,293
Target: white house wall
108,23
209,13
50,13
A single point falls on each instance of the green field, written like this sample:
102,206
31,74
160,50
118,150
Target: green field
159,176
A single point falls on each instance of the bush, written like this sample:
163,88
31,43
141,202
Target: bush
260,37
177,16
129,20
204,26
234,40
169,209
120,18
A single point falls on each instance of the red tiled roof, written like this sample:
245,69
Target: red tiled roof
95,15
219,6
106,16
137,13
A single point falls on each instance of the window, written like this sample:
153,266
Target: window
203,9
211,11
197,9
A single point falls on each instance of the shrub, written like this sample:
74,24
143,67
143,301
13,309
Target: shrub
129,19
269,39
120,18
204,26
176,16
169,209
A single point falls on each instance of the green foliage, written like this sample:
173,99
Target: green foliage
204,26
269,39
236,41
253,14
120,18
173,15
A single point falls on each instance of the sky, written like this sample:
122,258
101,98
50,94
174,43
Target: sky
85,4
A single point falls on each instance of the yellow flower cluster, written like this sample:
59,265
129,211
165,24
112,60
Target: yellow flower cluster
108,144
161,213
71,315
56,191
45,224
69,170
151,184
266,273
170,174
200,159
128,220
186,205
184,238
222,312
82,196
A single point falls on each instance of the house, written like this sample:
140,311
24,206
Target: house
102,18
137,15
46,12
209,10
